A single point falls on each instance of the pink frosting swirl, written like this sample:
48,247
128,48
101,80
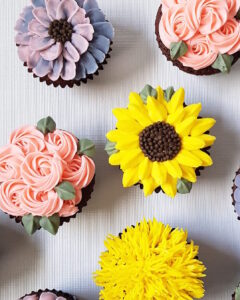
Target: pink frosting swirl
11,158
63,143
206,16
41,203
169,3
80,171
11,197
227,38
42,171
70,208
199,54
233,7
28,139
173,26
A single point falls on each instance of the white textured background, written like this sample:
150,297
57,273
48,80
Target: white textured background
67,261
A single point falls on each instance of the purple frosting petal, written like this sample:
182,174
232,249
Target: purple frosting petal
96,15
80,2
89,63
38,3
80,43
70,52
85,30
237,208
23,52
237,180
21,26
98,54
48,296
81,71
57,69
237,195
33,59
43,68
27,14
32,297
41,15
52,52
102,43
90,4
69,70
36,28
51,7
38,43
22,39
67,9
104,28
79,17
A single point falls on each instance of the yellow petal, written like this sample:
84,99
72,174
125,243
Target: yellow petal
208,139
144,169
115,159
159,172
189,173
128,143
185,127
187,158
135,99
139,115
118,135
192,110
156,110
130,177
176,117
192,143
173,168
131,158
176,101
149,185
205,158
160,94
129,126
122,114
170,186
202,125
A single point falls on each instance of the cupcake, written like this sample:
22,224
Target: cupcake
150,261
160,142
46,175
236,193
48,295
200,37
236,295
63,42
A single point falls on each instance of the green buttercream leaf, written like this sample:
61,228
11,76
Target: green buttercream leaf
31,223
184,186
178,49
237,293
168,93
65,191
110,148
223,63
50,224
148,91
46,125
86,147
238,15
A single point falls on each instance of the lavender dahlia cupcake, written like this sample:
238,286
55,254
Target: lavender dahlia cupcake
236,193
63,42
48,295
46,176
200,37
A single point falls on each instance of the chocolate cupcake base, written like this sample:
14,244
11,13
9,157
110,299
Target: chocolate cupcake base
166,52
58,293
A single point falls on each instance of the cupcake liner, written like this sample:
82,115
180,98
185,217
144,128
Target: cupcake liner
58,293
234,187
62,83
166,52
86,195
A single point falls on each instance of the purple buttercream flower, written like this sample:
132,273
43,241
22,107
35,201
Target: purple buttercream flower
236,194
52,36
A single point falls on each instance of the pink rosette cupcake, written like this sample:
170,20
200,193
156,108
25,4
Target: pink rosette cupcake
47,176
200,37
63,42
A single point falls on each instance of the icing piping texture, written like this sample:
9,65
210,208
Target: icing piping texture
64,39
207,27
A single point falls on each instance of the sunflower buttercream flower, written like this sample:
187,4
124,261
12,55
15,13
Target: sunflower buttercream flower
160,142
150,261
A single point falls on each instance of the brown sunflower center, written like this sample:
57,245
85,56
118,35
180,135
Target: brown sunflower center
160,142
60,30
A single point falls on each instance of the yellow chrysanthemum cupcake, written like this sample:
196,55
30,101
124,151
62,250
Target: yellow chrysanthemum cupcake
159,142
150,261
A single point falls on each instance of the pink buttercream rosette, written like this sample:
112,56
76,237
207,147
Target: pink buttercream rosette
208,28
32,165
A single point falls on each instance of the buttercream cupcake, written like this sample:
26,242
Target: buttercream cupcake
46,176
236,294
160,142
236,193
200,37
48,295
150,261
63,42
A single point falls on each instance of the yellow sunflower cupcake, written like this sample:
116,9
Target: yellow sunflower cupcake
160,142
150,261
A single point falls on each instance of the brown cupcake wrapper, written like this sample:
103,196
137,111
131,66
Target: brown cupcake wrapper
58,293
86,195
62,83
166,52
232,195
233,296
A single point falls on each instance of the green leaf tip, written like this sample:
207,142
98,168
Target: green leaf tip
46,125
178,49
223,63
148,91
168,93
65,190
50,224
237,293
110,148
184,186
31,223
86,147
